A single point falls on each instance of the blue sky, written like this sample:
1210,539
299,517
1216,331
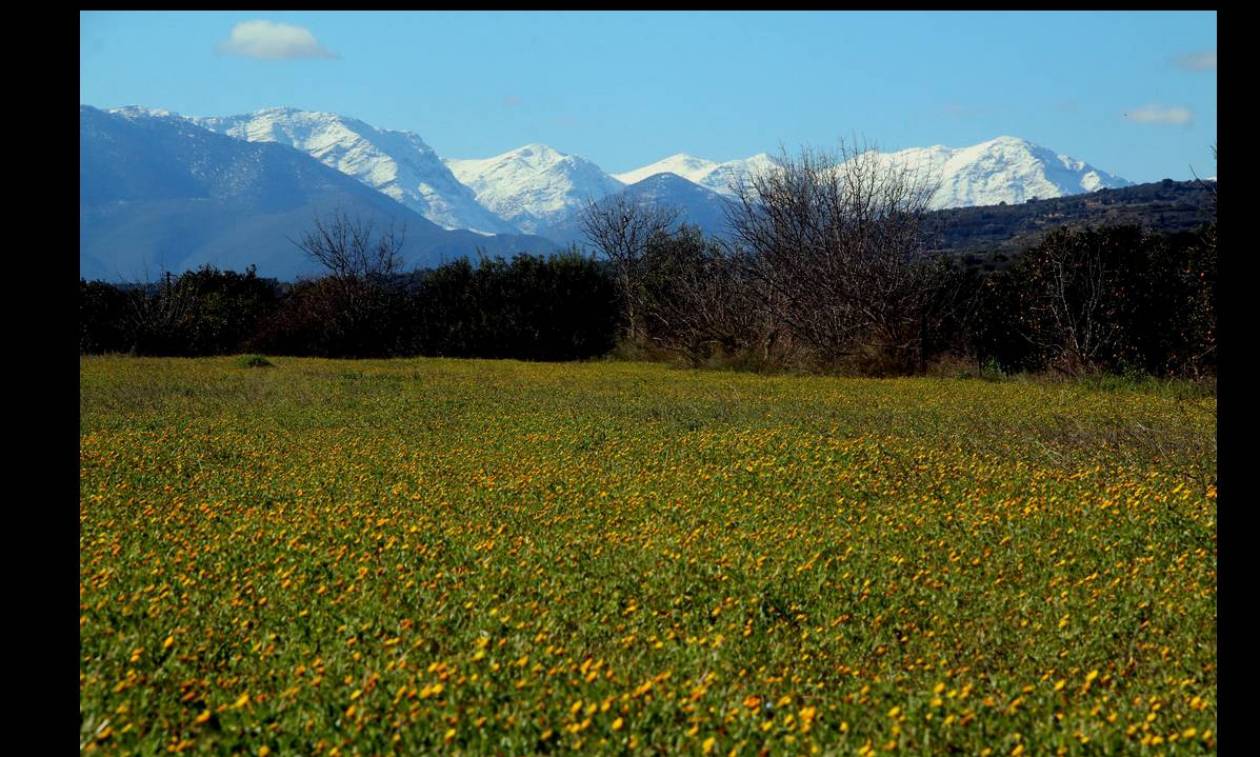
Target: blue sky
1131,93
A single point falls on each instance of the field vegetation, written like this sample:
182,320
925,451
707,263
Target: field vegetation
432,555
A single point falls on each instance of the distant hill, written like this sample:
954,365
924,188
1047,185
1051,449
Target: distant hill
1164,206
696,205
158,193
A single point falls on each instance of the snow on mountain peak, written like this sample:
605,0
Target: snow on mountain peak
1004,169
397,163
534,186
539,149
726,177
138,111
722,178
679,164
1007,139
536,156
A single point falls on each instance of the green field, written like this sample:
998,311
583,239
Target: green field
417,556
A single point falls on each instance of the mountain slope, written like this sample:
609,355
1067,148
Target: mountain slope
722,178
397,163
540,190
725,177
697,206
1165,206
687,166
534,187
161,193
1005,169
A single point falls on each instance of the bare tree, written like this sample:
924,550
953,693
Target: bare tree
836,240
621,229
1072,297
157,311
1204,184
355,299
350,248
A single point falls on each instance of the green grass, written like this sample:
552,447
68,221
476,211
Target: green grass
414,556
254,361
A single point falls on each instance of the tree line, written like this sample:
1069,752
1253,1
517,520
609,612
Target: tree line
828,269
560,307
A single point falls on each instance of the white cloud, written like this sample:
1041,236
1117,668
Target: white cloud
267,40
1159,114
1204,61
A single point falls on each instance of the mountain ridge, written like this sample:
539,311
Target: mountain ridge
158,192
534,186
1003,169
541,190
399,164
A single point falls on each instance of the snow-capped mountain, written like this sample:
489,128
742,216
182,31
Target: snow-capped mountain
397,163
722,178
725,178
534,186
160,193
687,166
539,190
1005,169
133,112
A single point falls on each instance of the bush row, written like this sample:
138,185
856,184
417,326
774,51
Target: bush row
1111,299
